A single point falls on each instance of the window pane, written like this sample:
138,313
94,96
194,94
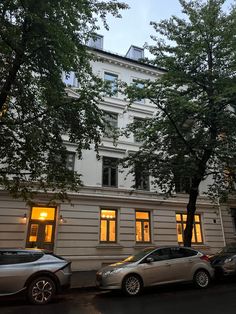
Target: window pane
113,177
43,213
105,176
198,233
48,233
146,232
103,235
138,231
70,161
179,232
112,231
178,217
142,215
112,80
33,233
196,218
108,214
193,237
184,217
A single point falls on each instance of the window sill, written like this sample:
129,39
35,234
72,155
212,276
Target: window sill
109,246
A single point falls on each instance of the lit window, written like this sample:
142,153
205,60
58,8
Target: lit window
43,213
110,172
142,226
107,225
111,80
181,224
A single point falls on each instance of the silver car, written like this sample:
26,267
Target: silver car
38,272
154,266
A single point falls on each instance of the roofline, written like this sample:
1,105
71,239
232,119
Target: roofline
153,67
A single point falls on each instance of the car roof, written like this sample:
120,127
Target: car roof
32,250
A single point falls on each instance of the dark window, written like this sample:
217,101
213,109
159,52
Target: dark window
111,123
233,213
138,126
161,254
141,179
138,85
110,172
182,184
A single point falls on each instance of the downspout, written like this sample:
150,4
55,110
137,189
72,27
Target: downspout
221,221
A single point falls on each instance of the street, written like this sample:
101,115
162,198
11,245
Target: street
220,298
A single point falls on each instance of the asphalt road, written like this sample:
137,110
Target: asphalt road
185,299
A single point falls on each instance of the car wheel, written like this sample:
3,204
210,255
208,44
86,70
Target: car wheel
41,290
132,285
202,278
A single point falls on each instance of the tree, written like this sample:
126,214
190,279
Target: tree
192,134
38,41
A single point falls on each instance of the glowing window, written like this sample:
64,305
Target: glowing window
181,224
43,213
108,225
142,226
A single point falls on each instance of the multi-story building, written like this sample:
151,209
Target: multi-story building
105,222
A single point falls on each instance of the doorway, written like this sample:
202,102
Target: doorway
41,229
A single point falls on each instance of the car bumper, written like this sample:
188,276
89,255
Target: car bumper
107,283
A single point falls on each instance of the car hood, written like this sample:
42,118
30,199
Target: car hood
117,266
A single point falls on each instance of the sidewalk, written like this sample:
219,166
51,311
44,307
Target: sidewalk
83,279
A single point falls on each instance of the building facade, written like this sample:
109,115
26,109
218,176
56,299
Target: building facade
108,220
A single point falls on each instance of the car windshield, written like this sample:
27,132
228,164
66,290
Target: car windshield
138,256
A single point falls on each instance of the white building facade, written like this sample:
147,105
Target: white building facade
105,222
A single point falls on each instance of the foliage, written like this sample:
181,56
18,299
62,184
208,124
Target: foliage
192,134
38,40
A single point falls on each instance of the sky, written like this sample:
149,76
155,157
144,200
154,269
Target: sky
134,26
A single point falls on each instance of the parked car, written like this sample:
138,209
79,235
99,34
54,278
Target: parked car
224,262
155,266
39,273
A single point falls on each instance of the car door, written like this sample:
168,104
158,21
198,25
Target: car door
182,263
159,269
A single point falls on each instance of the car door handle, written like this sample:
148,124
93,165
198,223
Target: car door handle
190,261
167,264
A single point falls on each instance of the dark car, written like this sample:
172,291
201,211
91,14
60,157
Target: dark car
224,262
39,273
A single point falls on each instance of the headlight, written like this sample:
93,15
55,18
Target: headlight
112,271
227,260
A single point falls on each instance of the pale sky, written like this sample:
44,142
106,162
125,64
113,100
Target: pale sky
134,26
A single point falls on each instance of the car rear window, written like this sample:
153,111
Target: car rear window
18,257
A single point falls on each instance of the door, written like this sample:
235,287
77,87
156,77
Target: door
41,229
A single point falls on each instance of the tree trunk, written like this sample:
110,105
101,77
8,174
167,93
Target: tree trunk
191,208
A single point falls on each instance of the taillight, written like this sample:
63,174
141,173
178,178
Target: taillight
205,258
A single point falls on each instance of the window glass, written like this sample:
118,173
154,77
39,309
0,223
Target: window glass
111,123
181,224
70,161
110,172
48,233
33,232
140,86
143,233
111,79
141,179
161,254
107,225
43,213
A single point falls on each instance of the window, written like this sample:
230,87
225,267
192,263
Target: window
161,254
179,252
112,123
70,79
70,161
111,80
140,86
108,225
197,230
110,172
182,184
141,179
138,124
142,226
96,41
233,214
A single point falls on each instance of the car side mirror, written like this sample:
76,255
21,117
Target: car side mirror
149,260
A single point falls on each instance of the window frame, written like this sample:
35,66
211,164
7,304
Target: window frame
142,226
140,182
137,83
112,120
108,225
68,154
109,172
182,222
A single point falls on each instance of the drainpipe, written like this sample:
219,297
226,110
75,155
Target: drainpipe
221,221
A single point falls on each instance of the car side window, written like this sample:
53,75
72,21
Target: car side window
18,257
161,254
178,252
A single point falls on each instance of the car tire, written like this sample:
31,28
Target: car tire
201,279
41,290
132,285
